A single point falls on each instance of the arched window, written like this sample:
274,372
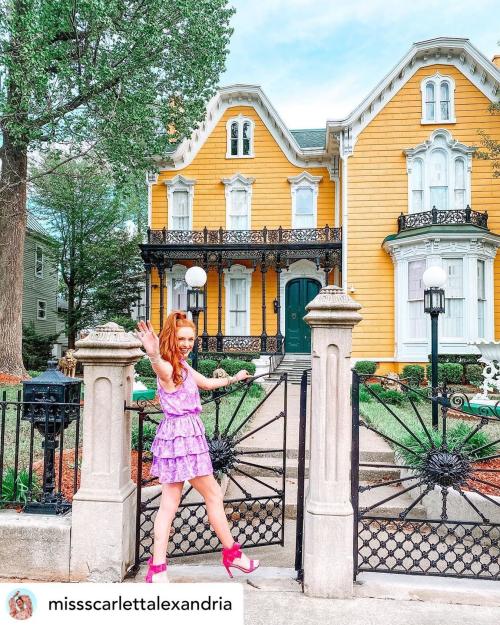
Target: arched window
438,184
240,137
238,202
460,187
180,194
438,99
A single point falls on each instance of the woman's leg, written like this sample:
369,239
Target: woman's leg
211,492
170,498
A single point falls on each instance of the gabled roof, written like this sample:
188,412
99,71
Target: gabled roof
310,138
35,226
442,50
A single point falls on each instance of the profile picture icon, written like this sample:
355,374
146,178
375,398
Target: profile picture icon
21,604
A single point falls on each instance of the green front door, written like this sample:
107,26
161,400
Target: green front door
299,292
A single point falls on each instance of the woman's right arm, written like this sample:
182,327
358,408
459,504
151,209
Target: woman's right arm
151,344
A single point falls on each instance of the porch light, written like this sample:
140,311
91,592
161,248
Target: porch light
196,278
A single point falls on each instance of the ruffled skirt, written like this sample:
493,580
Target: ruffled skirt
180,449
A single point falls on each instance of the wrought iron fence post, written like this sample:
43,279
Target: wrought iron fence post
301,459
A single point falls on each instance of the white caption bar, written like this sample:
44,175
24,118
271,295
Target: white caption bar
179,604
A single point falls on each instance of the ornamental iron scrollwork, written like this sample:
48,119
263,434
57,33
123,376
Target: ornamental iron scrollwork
443,217
432,506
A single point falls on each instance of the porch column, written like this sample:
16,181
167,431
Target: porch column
220,345
204,336
263,335
161,278
104,507
279,336
328,560
148,290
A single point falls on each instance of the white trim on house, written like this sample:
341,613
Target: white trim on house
451,51
440,139
299,269
237,271
437,79
305,181
240,120
253,96
44,302
39,247
433,249
151,179
179,183
238,182
177,272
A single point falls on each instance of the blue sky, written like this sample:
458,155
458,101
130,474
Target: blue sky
317,59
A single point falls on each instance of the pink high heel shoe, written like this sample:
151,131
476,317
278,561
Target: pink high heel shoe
153,569
231,554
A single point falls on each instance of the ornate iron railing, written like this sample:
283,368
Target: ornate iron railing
234,344
443,217
244,237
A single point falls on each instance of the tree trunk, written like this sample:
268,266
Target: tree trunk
12,234
71,315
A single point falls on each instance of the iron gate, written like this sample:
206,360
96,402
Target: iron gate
256,515
428,502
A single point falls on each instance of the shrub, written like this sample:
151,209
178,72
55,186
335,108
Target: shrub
474,374
127,323
387,396
22,481
37,348
256,390
207,367
455,436
449,372
148,434
365,367
144,368
149,382
233,365
364,394
415,374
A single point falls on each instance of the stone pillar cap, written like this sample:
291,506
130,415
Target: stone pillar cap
109,344
333,307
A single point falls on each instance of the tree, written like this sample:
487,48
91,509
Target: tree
124,79
491,146
98,258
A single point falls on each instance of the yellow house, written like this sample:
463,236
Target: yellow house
367,202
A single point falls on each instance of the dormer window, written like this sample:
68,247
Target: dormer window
240,137
438,104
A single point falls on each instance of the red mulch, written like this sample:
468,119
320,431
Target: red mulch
493,478
68,471
8,380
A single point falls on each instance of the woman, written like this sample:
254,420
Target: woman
180,449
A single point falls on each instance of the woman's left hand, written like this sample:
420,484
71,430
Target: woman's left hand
242,375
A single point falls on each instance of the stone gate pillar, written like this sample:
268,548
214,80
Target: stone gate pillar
103,512
328,532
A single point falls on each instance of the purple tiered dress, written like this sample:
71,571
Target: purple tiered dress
180,449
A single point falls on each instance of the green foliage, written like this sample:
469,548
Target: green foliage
455,436
22,482
392,397
388,396
233,365
147,381
365,367
415,374
206,367
364,394
256,391
474,374
37,348
449,372
127,323
148,434
143,367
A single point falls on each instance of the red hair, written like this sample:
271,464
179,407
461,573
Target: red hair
168,342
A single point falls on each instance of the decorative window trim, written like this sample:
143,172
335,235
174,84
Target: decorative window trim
38,302
302,268
238,182
240,120
37,274
237,271
454,150
433,250
179,183
304,181
437,79
177,272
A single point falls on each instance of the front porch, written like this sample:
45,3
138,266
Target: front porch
259,282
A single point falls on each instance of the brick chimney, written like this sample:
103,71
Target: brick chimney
496,60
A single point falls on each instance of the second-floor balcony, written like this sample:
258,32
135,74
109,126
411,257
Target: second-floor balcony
436,217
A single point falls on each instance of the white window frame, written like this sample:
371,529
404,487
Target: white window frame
437,79
179,183
240,120
238,182
237,271
433,251
440,139
39,248
178,272
304,181
38,302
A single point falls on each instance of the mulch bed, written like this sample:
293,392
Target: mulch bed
9,380
493,478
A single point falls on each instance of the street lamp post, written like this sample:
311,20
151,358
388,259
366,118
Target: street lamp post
434,279
196,278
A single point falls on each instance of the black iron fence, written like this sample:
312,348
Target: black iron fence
426,499
301,474
443,217
39,454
